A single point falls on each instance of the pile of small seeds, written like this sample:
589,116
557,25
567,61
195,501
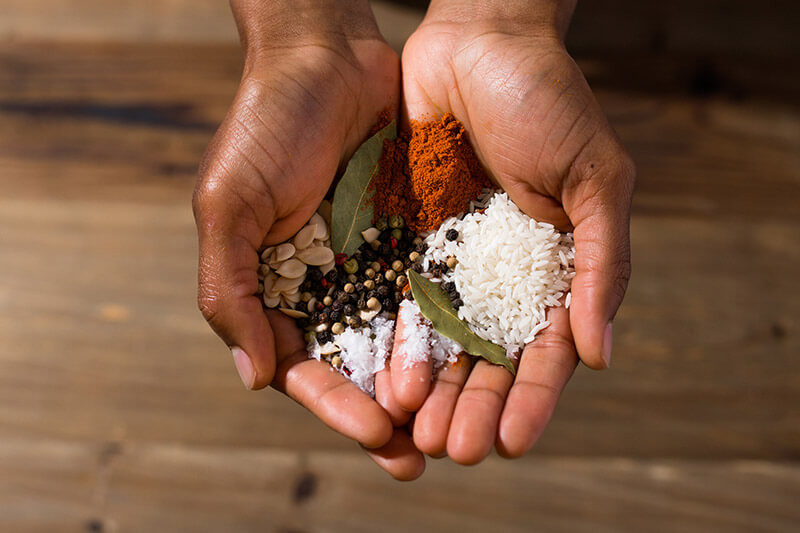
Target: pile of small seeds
346,292
360,287
284,268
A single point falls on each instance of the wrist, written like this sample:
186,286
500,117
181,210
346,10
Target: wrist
273,24
540,18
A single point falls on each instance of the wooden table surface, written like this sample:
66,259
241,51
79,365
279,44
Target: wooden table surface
120,410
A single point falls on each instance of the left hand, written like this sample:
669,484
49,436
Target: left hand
540,133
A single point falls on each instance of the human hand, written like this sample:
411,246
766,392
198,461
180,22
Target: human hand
316,75
502,70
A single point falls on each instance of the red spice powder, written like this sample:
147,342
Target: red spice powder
428,174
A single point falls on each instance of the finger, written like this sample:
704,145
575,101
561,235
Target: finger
545,366
597,199
432,421
229,235
385,398
411,366
325,392
399,457
538,206
477,414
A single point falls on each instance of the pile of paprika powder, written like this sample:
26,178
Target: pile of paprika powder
428,174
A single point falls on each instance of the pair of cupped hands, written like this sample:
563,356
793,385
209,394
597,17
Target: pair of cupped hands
317,74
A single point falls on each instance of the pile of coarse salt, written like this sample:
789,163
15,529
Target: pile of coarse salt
420,341
510,269
363,351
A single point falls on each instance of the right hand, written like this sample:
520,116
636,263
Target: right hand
315,79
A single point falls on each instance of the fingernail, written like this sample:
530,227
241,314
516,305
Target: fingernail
244,366
607,340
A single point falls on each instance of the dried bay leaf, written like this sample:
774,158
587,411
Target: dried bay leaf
435,305
352,211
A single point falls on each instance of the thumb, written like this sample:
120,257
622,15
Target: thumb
597,197
230,233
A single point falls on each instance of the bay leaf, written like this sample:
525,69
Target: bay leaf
352,210
435,306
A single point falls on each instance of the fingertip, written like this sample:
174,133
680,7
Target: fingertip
399,457
410,383
378,432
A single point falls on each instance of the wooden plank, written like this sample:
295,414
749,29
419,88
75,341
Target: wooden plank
130,486
195,21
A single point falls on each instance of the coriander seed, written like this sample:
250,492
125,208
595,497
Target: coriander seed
391,275
451,262
401,281
369,284
306,297
375,266
414,256
397,266
337,328
327,301
336,361
370,273
373,304
349,288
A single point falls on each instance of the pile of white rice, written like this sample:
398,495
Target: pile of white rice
510,269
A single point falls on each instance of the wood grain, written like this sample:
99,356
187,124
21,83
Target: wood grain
98,251
74,486
120,410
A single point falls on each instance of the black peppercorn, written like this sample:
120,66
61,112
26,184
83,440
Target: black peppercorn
314,274
357,255
332,276
369,256
342,297
457,303
349,309
448,286
451,235
359,287
398,297
337,305
385,251
385,235
417,267
420,248
306,286
324,336
336,316
383,291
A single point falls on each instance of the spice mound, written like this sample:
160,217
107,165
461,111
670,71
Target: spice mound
428,174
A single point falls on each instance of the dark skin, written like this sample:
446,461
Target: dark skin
503,71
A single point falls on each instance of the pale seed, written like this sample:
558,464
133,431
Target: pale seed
293,268
286,284
370,234
304,237
337,329
294,313
316,256
283,252
451,262
312,305
336,361
267,253
373,304
271,302
306,296
390,275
